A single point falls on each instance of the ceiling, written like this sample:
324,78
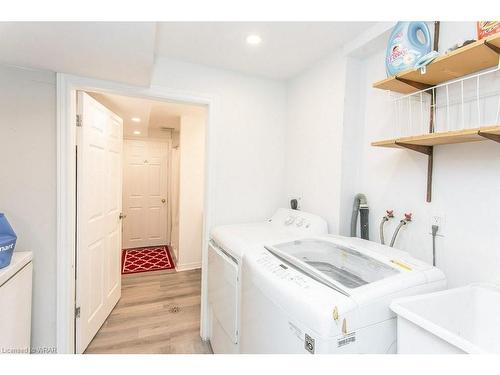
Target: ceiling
287,48
116,51
126,51
155,116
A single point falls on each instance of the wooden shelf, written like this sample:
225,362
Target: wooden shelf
469,59
443,138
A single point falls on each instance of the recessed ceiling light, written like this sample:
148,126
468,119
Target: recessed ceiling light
137,132
136,119
254,39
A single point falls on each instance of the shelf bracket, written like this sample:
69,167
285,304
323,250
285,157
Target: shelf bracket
415,84
492,47
492,136
427,150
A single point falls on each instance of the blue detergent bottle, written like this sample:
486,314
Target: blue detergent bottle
409,41
7,241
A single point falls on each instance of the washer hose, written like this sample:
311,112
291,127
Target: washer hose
360,205
382,240
404,221
389,215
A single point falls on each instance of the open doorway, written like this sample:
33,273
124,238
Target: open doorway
140,199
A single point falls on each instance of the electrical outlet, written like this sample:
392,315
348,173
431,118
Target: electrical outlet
439,220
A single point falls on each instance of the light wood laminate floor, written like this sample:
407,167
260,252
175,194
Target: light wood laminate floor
159,312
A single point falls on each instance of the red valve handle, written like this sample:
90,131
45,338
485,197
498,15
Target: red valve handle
390,213
408,216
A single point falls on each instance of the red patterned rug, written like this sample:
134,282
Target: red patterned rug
146,259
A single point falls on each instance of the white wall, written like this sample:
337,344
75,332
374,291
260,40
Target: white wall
174,183
249,136
315,102
465,176
28,183
191,191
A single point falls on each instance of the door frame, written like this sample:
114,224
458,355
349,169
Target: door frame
67,85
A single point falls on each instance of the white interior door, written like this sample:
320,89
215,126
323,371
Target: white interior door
145,195
99,204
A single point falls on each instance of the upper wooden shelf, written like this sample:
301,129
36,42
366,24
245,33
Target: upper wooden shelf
469,59
443,138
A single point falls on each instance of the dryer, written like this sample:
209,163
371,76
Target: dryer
327,294
227,246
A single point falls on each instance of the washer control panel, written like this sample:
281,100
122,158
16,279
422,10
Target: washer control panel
282,271
303,222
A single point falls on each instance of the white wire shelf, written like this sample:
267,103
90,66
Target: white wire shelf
462,110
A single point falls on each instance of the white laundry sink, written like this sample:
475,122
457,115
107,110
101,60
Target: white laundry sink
460,320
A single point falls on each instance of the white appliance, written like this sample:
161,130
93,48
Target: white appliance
327,294
227,245
15,304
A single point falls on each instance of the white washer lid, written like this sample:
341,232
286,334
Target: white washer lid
19,260
347,266
238,238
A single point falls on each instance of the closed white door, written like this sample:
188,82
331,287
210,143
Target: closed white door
145,194
99,229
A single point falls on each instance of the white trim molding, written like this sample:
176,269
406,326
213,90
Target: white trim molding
67,85
187,266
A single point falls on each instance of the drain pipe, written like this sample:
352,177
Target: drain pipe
360,205
389,214
404,221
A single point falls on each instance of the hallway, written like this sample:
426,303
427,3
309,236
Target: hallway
159,312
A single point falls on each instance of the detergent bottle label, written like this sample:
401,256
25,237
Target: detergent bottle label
400,54
404,48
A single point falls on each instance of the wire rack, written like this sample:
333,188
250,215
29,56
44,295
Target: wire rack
465,103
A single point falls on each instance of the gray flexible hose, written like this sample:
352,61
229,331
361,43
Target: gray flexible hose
382,240
359,199
401,223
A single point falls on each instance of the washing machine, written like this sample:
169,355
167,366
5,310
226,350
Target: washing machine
227,246
327,294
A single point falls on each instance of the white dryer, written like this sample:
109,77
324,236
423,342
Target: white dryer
327,294
226,248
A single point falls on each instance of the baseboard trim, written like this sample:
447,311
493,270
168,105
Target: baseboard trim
187,266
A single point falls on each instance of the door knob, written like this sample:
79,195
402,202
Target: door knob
122,216
163,200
